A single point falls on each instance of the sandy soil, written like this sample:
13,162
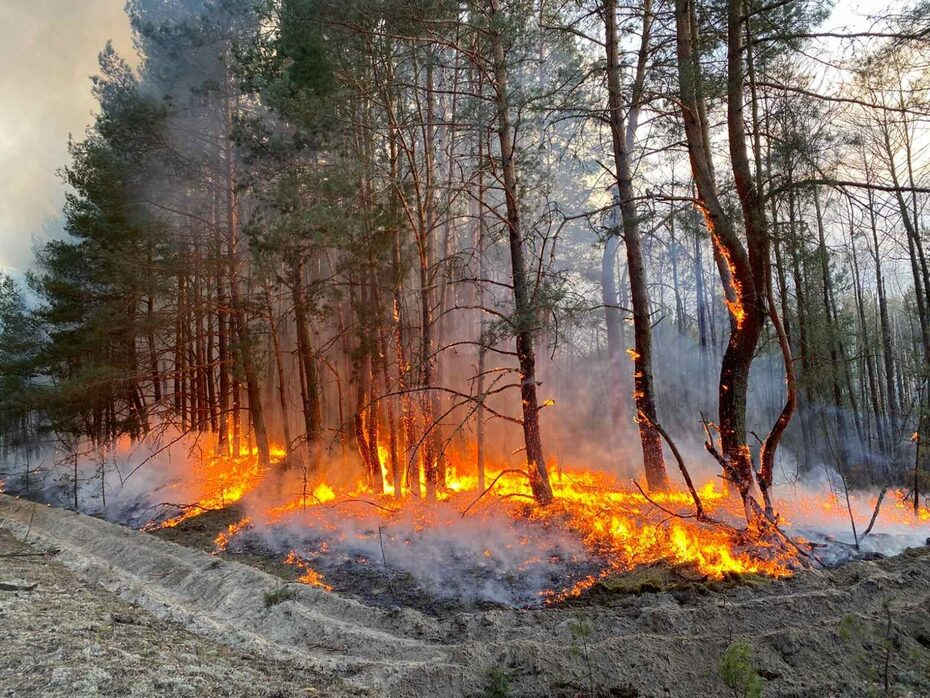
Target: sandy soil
844,632
65,637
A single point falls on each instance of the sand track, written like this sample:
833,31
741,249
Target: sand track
816,635
340,640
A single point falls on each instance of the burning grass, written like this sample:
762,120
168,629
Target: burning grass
217,481
498,546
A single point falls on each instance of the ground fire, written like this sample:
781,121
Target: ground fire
619,527
499,347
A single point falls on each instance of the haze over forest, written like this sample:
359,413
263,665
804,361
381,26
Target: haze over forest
528,232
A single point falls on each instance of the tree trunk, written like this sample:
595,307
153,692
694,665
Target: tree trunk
312,408
622,137
279,364
524,315
887,344
240,318
748,267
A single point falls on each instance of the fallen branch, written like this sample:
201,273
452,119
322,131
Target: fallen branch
773,522
491,486
659,506
698,507
878,504
185,506
518,494
808,554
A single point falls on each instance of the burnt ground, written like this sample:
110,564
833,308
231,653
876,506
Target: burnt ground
370,581
62,636
862,629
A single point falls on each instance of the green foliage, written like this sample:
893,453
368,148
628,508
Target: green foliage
738,671
302,46
497,684
19,343
279,595
89,284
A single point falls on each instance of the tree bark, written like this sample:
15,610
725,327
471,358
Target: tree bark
622,137
524,315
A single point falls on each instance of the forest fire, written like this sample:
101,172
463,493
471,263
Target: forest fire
616,528
220,480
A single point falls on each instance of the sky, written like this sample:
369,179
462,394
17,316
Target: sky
48,50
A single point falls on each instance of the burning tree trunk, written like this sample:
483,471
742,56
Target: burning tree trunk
524,315
748,269
240,319
622,134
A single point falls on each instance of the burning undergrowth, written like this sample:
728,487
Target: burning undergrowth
470,547
465,549
422,555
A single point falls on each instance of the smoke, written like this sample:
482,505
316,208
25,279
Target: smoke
49,50
821,510
132,483
426,550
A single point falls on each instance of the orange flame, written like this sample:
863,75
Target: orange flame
617,524
309,576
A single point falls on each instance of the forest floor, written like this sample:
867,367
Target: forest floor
118,612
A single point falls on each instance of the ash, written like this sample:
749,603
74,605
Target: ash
448,564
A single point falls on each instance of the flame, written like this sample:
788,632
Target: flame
897,509
309,576
387,481
219,480
735,306
222,539
617,525
323,493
